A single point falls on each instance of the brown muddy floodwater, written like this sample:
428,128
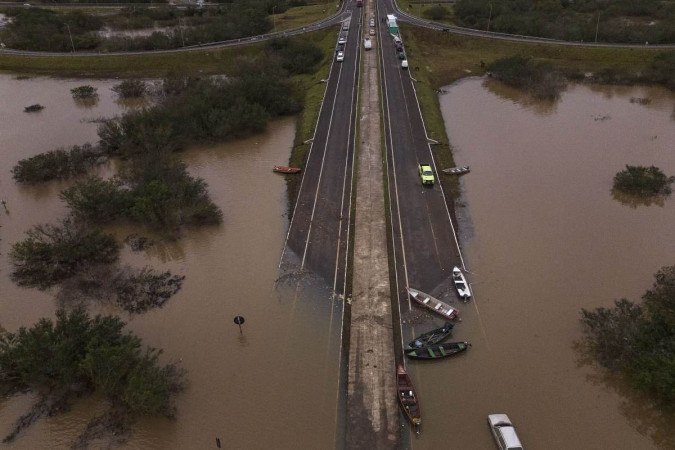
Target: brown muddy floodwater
543,237
276,385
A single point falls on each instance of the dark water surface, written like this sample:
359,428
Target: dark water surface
543,237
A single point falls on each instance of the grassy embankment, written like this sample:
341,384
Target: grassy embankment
444,58
299,16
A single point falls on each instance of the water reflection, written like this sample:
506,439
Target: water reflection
635,201
87,102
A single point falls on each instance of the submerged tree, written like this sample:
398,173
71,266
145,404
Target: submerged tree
643,181
639,339
77,354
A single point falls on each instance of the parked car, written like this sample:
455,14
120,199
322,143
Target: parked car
401,55
399,47
504,432
367,44
340,56
372,32
426,174
404,64
372,22
397,40
342,39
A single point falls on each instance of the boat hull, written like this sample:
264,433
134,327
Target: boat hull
407,397
434,304
460,284
438,351
286,169
432,337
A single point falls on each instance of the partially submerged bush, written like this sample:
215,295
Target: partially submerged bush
77,354
82,92
33,108
541,80
56,164
53,253
130,89
643,181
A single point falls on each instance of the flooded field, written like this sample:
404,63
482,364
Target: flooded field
275,386
543,237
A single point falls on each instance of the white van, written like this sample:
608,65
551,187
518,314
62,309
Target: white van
367,43
404,64
504,432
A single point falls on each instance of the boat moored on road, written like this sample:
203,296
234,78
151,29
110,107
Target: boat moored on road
433,303
437,351
461,284
431,337
407,397
457,170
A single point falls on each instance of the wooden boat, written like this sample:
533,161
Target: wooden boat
433,304
407,397
437,351
457,170
461,284
432,337
286,169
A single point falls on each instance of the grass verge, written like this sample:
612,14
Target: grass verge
299,16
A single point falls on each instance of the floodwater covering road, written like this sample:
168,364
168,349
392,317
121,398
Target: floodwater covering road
543,237
276,385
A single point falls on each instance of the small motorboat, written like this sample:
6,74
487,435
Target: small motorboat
437,351
457,170
286,169
432,337
461,284
432,303
407,397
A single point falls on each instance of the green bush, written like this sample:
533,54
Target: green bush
130,89
53,253
643,181
56,164
639,339
541,80
85,91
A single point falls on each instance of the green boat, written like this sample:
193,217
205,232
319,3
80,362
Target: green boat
437,351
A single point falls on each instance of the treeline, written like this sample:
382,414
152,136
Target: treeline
624,21
48,30
76,355
638,340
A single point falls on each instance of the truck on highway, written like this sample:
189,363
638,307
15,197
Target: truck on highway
391,24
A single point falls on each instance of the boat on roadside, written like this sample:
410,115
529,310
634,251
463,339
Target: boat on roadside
431,337
457,170
432,303
286,169
407,397
437,351
461,284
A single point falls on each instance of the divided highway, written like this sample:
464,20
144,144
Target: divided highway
318,236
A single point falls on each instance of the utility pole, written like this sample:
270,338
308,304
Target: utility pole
489,18
274,21
597,25
180,27
71,38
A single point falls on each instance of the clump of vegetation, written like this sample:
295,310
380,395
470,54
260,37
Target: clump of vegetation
52,253
638,340
643,181
539,79
131,89
437,12
77,354
33,108
84,92
56,164
134,290
297,57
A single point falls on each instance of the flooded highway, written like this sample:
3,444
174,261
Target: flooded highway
542,238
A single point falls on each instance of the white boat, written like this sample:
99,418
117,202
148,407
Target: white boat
432,303
456,170
460,283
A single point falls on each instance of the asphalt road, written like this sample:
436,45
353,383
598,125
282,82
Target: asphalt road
318,236
423,237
